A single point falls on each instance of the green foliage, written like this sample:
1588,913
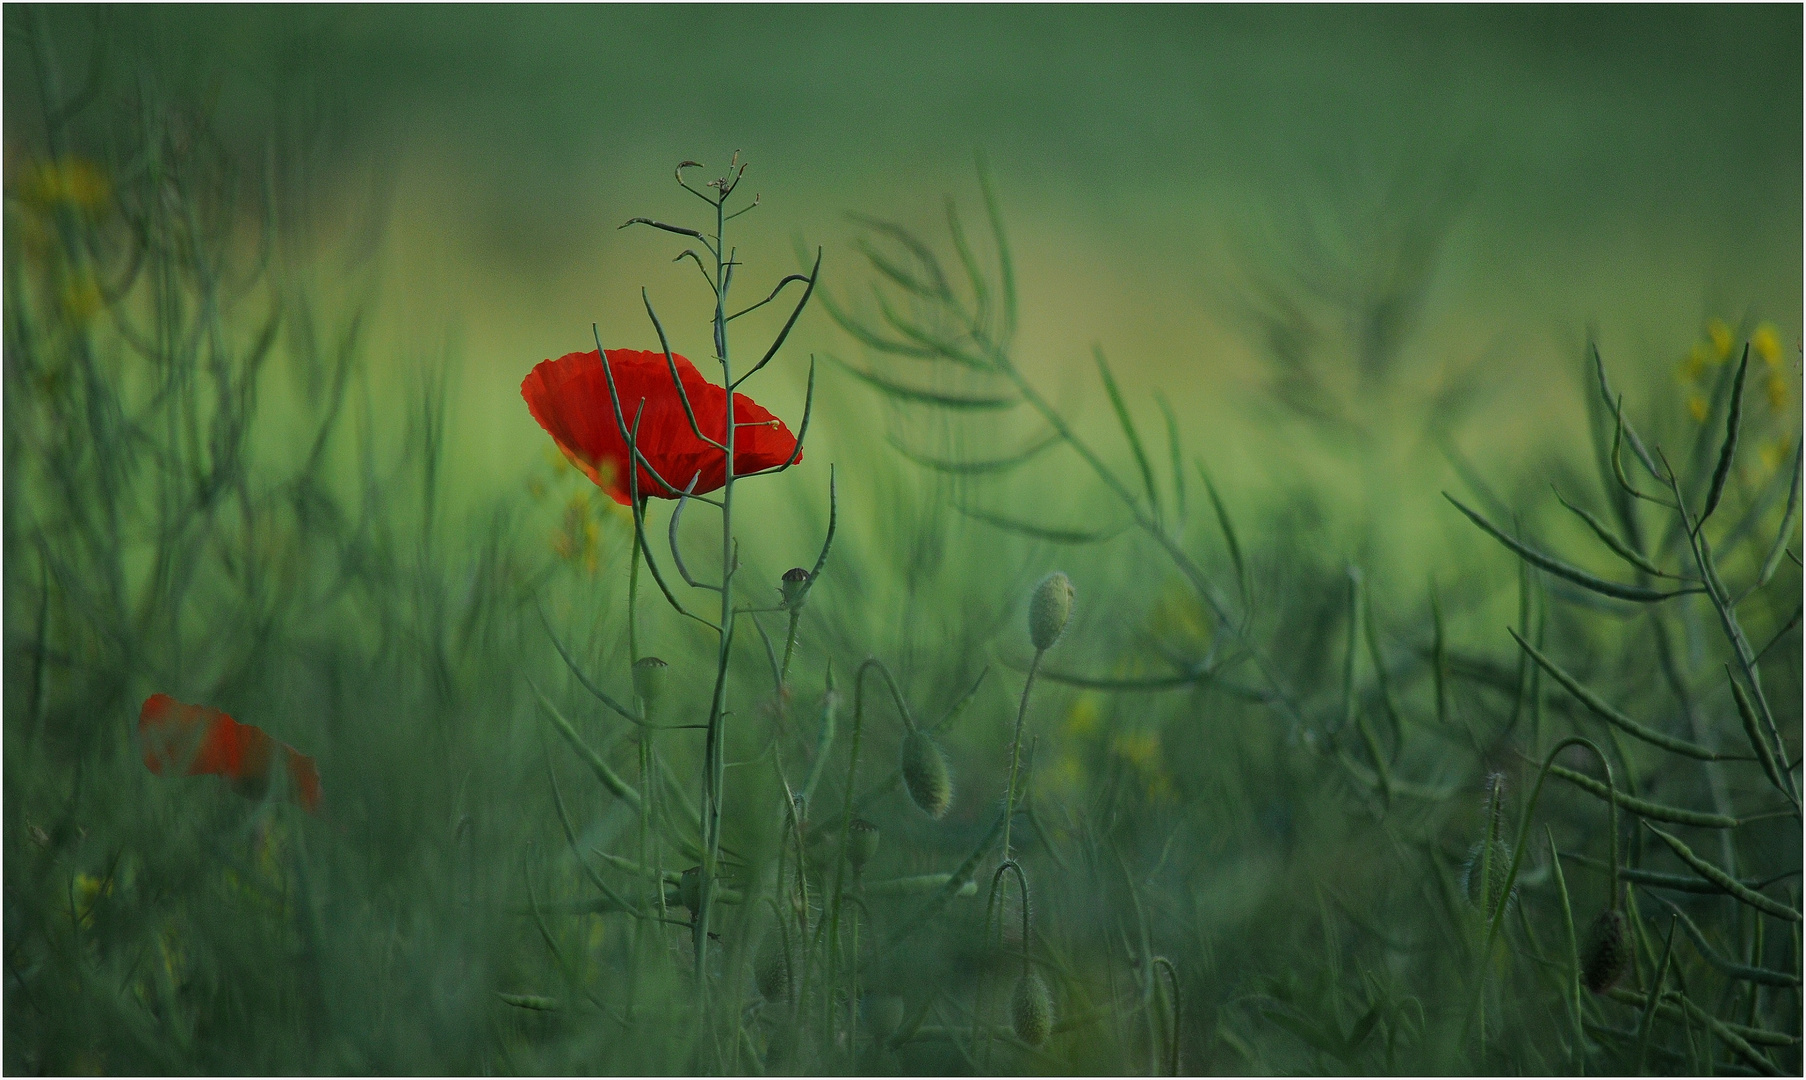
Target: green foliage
1268,801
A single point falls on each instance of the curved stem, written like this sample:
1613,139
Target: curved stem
1009,797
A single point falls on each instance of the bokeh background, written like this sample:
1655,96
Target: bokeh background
1358,253
1506,178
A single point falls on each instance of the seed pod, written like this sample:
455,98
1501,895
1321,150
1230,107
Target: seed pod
1475,867
1049,609
771,969
689,889
795,587
925,775
649,680
862,844
1031,1010
1607,952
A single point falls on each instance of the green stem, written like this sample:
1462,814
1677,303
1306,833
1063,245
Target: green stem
1009,798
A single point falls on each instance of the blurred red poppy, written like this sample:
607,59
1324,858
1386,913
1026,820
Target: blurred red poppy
569,398
196,741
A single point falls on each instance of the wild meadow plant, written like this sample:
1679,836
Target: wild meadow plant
1231,804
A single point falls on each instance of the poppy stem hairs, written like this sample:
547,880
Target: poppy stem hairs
648,425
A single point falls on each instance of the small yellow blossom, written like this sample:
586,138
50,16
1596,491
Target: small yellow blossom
1766,343
1140,748
1695,364
81,298
1777,392
1720,333
1773,455
1084,716
1696,406
72,182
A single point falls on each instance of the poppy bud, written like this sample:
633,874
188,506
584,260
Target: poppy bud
795,587
925,774
649,680
1607,952
1049,609
1484,894
689,889
862,843
771,969
1031,1009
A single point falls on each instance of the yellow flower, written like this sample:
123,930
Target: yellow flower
1720,334
1141,749
72,182
1766,343
1083,717
1773,455
1696,405
81,298
1694,364
1777,392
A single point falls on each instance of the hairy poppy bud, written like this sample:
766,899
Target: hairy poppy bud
925,774
689,889
649,680
1481,882
862,843
1031,1010
771,969
1049,609
1607,952
795,587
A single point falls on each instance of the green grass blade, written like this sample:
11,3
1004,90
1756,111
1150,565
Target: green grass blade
1128,429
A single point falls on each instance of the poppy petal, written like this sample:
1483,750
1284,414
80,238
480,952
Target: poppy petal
198,741
570,399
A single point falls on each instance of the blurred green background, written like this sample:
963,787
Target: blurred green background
285,470
1539,170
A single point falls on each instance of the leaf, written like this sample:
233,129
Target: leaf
1635,593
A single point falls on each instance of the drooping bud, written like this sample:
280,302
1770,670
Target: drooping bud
862,844
649,681
795,587
925,774
771,969
1031,1009
689,889
1607,952
1049,609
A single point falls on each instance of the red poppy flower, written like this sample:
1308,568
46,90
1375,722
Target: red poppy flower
199,741
569,398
